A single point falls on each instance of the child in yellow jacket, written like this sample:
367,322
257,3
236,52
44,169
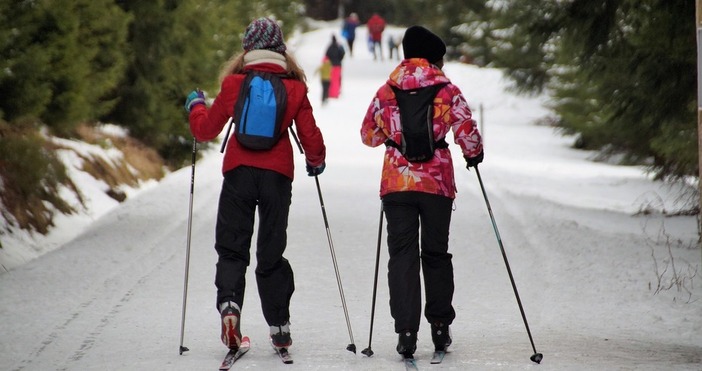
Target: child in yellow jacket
324,71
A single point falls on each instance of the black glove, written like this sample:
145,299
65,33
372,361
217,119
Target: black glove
473,161
315,170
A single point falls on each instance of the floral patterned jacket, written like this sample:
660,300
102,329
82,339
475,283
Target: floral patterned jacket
451,113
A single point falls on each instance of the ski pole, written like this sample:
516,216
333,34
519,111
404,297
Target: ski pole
297,141
187,249
536,357
351,347
368,351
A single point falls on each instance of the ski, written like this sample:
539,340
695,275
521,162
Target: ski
438,357
233,355
284,355
410,363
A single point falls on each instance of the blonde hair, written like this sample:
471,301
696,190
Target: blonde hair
235,65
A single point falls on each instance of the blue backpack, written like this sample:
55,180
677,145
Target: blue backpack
258,112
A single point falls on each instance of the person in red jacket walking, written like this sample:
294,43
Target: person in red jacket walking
257,179
417,197
376,26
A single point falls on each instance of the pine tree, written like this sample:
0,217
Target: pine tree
177,46
60,62
622,73
24,60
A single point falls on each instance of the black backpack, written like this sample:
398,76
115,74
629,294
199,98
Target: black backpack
259,110
416,114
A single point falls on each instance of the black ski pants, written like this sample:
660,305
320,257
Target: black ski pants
243,189
414,217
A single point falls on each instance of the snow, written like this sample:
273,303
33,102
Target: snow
602,287
21,246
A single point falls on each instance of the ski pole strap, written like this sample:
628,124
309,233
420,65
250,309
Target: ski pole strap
441,143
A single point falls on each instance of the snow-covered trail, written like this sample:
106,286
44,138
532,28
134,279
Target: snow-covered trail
112,297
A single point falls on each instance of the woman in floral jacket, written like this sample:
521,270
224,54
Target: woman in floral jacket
420,193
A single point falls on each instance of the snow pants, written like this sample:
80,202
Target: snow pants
350,41
243,189
325,90
410,215
335,82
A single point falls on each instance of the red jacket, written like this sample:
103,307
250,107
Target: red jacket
206,124
376,26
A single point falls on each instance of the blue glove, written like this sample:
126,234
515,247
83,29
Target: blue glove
315,170
473,161
195,97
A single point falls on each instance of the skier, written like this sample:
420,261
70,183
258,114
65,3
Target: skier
335,52
348,30
393,48
376,26
254,179
417,198
324,71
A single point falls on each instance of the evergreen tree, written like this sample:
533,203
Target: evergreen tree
103,37
622,72
177,46
60,60
24,60
322,9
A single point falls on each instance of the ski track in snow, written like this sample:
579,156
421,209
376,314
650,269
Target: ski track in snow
112,297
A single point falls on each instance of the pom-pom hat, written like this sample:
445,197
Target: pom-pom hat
264,33
419,42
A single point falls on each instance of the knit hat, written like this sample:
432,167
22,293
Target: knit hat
419,42
264,33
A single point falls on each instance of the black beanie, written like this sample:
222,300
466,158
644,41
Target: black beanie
419,42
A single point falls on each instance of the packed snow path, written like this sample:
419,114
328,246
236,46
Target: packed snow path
584,266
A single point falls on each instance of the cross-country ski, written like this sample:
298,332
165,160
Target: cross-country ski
410,363
284,355
233,355
438,357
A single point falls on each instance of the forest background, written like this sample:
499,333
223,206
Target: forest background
621,74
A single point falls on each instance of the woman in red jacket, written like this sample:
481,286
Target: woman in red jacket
418,196
254,178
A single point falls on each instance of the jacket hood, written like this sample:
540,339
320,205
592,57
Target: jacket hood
416,73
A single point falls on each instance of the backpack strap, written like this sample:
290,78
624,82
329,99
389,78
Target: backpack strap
441,143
